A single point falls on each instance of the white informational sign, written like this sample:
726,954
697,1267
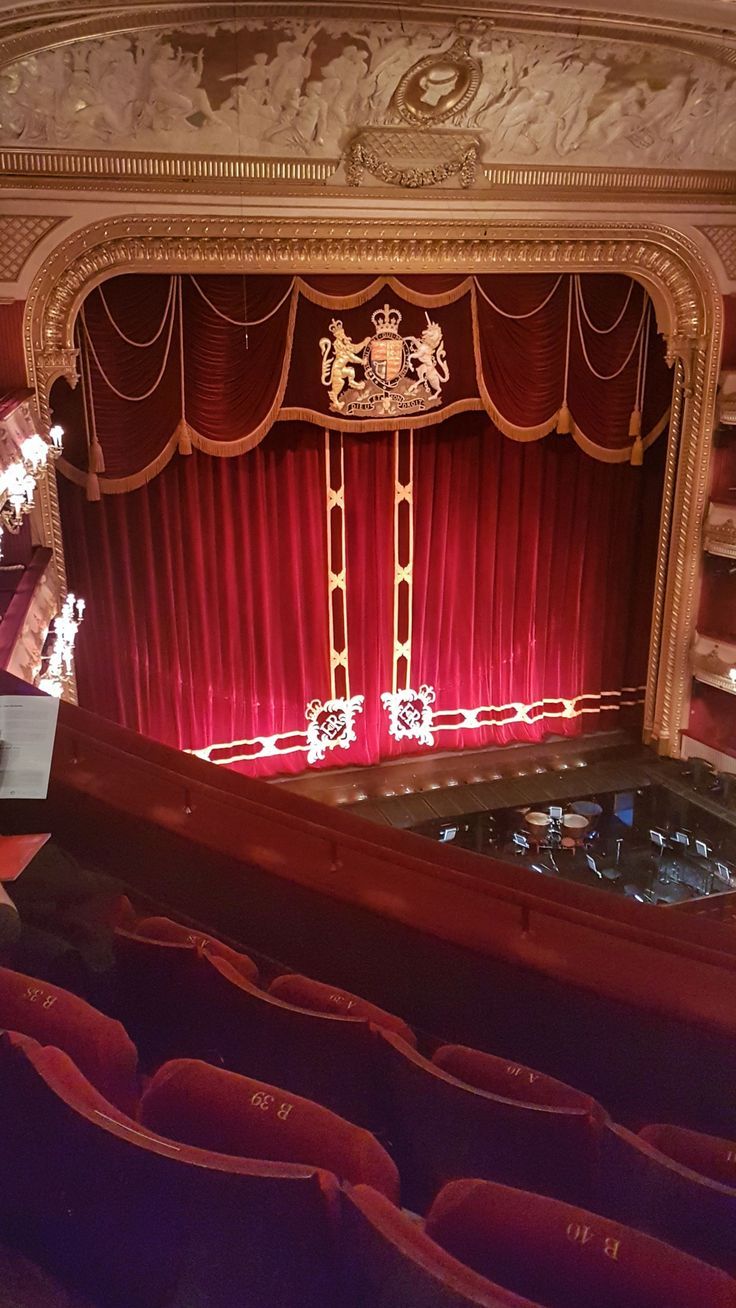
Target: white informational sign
27,731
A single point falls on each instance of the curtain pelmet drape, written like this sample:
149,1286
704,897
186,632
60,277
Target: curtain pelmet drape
211,362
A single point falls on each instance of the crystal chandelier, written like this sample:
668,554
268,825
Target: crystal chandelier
18,479
57,667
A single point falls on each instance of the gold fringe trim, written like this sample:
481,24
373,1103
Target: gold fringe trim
357,425
225,449
119,485
424,301
624,453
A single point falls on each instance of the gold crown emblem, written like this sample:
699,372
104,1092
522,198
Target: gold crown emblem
386,320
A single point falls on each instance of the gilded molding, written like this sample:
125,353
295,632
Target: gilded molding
162,172
668,264
227,175
673,270
685,553
652,711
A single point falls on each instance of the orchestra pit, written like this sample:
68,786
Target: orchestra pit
367,654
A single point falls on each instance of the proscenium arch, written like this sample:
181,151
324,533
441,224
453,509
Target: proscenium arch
679,280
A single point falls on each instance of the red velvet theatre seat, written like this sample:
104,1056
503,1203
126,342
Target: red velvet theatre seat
321,998
706,1154
441,1127
99,1046
667,1195
164,928
179,1001
330,1059
388,1261
565,1257
501,1076
137,1221
232,1114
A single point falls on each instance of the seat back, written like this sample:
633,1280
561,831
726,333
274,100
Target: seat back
160,998
640,1184
321,998
388,1261
440,1128
331,1060
566,1257
99,1046
130,1218
500,1076
182,1002
231,1114
165,929
706,1154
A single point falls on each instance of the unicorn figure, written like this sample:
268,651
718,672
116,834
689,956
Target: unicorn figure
431,360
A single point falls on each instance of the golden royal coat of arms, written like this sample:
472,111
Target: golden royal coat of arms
401,374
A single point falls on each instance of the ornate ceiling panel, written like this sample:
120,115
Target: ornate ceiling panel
302,94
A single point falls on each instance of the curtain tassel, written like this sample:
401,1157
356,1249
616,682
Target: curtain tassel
93,485
96,456
564,420
637,449
185,438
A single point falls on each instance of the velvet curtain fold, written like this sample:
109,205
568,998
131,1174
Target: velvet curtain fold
533,575
222,384
206,596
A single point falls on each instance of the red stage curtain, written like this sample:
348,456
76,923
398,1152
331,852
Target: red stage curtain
206,589
533,574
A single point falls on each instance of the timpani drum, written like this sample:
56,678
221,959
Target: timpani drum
537,826
576,825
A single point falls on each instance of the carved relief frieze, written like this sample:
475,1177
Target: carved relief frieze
302,88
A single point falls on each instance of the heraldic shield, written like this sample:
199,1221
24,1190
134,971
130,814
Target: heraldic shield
386,356
402,374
